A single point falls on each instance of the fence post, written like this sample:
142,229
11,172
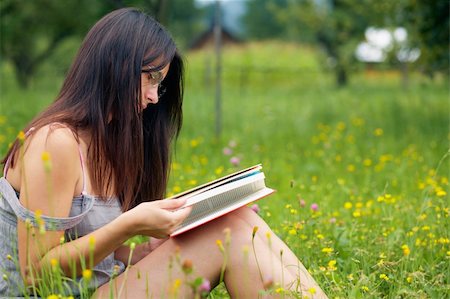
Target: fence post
218,50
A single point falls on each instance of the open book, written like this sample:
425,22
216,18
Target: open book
222,196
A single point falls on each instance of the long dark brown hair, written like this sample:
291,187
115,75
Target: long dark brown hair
129,149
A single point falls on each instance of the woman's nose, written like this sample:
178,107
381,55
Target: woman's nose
152,94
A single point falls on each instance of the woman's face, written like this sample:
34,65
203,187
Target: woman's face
151,87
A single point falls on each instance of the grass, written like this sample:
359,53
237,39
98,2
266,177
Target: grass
373,156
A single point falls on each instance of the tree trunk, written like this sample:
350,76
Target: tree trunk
162,13
341,76
24,71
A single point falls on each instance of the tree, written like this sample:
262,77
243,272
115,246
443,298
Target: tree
428,24
31,31
260,20
337,26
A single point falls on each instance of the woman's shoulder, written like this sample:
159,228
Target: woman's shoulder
47,148
54,134
56,139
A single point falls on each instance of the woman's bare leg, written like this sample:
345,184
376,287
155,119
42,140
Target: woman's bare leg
153,278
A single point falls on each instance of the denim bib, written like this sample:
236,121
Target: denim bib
87,214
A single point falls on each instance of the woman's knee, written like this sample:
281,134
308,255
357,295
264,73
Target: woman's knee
240,220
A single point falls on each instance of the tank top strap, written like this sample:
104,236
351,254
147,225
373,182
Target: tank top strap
83,169
80,153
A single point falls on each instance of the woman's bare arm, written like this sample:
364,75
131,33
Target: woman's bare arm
50,191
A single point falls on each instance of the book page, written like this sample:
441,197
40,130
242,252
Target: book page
215,183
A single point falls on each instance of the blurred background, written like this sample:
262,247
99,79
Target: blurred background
345,102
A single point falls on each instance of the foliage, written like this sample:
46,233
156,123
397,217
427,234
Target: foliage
32,31
339,25
260,20
428,22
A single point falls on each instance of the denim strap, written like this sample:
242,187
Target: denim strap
51,223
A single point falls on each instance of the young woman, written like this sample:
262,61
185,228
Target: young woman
90,172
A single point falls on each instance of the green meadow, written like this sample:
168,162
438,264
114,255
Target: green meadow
361,172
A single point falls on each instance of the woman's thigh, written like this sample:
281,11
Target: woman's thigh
160,272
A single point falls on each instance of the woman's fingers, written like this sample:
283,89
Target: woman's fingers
159,218
170,204
182,213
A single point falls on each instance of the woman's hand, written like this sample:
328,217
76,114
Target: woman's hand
158,218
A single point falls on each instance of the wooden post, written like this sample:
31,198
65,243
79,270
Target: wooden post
218,50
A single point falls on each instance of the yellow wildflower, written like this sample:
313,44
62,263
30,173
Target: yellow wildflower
442,240
87,274
203,160
40,221
21,136
367,162
378,132
332,265
45,156
91,243
351,168
279,290
348,205
327,250
52,296
194,143
219,170
255,229
441,193
341,126
220,245
384,277
175,286
406,250
357,213
312,291
54,262
422,217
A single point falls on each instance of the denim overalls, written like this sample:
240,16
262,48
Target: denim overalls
87,214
